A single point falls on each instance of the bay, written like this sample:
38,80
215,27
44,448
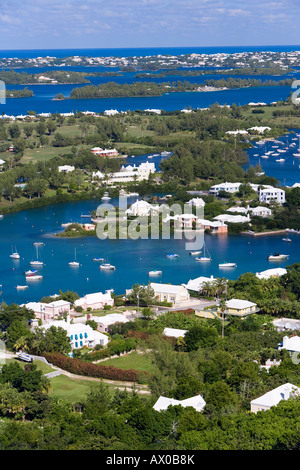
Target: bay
133,258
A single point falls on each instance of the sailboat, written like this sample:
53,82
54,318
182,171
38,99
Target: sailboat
36,262
74,263
206,256
14,254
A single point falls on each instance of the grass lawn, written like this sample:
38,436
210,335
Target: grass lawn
133,360
70,389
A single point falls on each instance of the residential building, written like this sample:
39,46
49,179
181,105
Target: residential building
196,202
80,334
103,323
268,195
170,293
196,285
105,152
66,168
273,272
196,402
291,344
50,311
142,208
228,187
272,398
235,307
233,219
284,324
95,301
174,333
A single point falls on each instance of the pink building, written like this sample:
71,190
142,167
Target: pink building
95,301
50,311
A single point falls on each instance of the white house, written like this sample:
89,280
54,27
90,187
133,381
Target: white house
233,219
291,344
274,272
196,402
98,174
95,301
268,195
196,202
141,208
259,129
196,285
228,187
110,112
80,334
174,332
66,168
170,293
272,398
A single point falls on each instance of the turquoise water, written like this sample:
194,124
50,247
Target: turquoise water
132,258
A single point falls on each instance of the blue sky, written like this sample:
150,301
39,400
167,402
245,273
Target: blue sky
38,24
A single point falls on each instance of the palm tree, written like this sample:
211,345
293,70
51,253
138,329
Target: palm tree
220,285
222,307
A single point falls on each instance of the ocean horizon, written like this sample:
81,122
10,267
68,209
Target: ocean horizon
142,51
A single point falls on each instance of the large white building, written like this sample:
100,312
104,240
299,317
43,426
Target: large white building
80,334
95,301
268,195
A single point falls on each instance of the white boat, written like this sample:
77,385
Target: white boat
15,255
172,256
22,287
39,243
277,257
105,197
206,256
165,153
195,253
280,160
107,267
36,262
74,263
98,259
30,273
155,273
286,240
34,278
227,265
264,156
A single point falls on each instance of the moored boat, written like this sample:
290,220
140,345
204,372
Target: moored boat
227,265
155,273
107,267
277,257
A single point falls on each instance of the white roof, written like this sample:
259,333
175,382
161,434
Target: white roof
291,344
72,328
168,288
232,218
271,272
197,201
174,332
239,304
110,319
196,402
196,284
93,298
272,398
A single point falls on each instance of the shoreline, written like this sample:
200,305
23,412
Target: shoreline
259,234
